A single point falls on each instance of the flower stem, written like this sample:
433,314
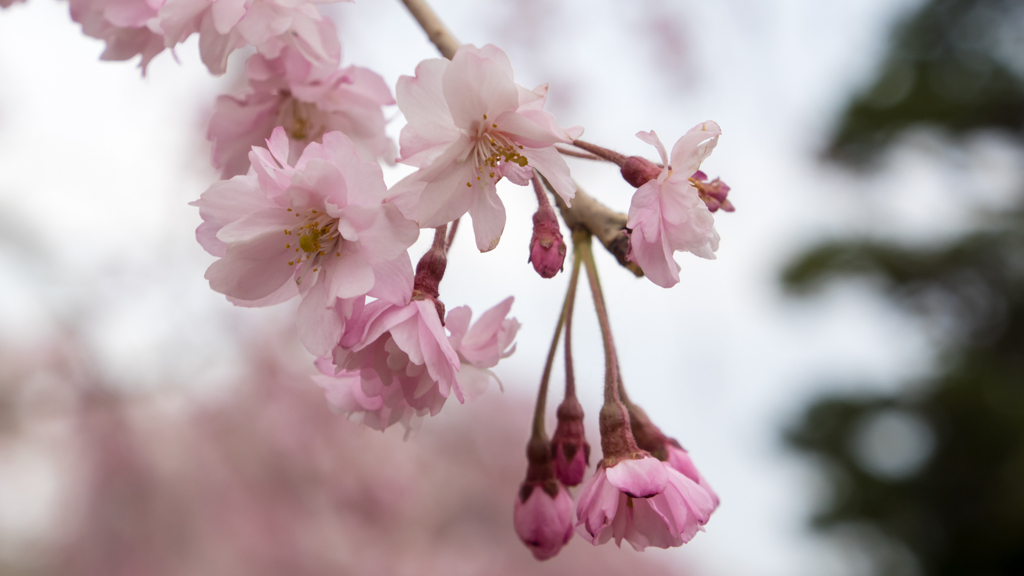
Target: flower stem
570,376
542,393
451,234
601,152
611,388
575,154
543,204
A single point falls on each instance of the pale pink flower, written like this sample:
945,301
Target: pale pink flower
643,501
269,25
667,214
395,364
482,345
679,459
543,522
122,25
308,101
318,229
470,125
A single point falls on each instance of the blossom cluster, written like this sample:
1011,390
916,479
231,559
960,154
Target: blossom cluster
303,212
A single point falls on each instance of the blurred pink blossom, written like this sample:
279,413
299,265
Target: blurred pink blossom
308,101
269,25
122,25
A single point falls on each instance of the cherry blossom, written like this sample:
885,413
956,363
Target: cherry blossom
122,25
318,229
643,501
308,101
395,364
481,345
269,25
679,459
469,126
542,521
667,214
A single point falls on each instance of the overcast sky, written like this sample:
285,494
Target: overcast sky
97,165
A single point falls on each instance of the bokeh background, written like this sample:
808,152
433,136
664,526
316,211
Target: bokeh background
848,374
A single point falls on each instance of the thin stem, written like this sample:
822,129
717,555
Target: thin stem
611,388
576,154
542,197
451,234
542,393
601,152
438,33
439,239
570,377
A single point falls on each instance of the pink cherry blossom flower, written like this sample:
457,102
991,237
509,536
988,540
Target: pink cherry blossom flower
667,215
481,345
679,459
122,25
395,364
644,502
470,125
542,521
269,25
308,101
318,229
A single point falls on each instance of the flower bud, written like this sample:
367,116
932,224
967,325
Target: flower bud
547,249
569,447
638,171
543,521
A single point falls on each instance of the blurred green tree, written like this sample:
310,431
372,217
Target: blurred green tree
931,480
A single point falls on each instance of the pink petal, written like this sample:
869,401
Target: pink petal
488,215
319,326
652,139
550,163
479,84
639,478
696,145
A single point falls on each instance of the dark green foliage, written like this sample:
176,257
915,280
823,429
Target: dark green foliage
963,512
953,66
957,64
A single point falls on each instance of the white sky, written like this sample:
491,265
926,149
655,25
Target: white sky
97,165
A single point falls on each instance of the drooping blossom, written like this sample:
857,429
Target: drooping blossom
470,125
269,25
122,25
547,248
543,521
395,364
667,214
308,101
642,501
319,229
679,459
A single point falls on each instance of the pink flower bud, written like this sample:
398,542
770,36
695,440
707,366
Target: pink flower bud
547,249
638,171
543,521
569,446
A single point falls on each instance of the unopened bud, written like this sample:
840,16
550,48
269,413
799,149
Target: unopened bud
638,171
569,446
547,248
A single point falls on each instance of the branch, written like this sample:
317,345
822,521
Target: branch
432,25
601,221
586,212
